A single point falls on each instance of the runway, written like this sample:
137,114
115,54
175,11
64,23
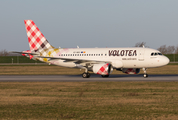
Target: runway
78,78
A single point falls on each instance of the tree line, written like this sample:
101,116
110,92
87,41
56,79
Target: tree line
168,49
4,53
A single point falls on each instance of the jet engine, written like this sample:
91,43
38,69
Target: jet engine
130,70
102,69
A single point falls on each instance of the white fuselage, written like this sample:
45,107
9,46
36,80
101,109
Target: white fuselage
118,57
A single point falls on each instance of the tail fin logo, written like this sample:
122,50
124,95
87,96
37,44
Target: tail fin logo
36,39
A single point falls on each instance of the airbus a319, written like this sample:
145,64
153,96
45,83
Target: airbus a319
100,61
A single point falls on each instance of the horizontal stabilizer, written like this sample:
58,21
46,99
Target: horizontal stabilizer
24,53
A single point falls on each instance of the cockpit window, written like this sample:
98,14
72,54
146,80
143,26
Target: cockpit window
154,54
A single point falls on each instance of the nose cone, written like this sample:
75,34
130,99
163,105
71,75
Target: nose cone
165,60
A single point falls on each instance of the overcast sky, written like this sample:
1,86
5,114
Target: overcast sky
90,23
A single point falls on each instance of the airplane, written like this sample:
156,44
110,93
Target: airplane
100,61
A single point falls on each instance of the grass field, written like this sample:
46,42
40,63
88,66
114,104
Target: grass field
52,70
89,100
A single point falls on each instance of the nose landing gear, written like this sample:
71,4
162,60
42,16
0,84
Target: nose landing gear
145,74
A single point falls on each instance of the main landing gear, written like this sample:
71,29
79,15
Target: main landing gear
145,74
86,75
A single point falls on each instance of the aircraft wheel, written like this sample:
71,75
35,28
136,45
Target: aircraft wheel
86,75
105,76
145,75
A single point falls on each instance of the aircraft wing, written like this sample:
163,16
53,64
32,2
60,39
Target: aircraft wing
78,61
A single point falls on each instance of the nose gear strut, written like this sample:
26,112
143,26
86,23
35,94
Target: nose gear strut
145,74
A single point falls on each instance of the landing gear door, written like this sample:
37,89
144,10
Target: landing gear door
141,55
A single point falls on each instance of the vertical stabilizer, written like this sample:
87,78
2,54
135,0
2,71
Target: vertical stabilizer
36,39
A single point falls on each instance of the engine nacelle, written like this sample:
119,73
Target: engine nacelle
102,69
131,70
